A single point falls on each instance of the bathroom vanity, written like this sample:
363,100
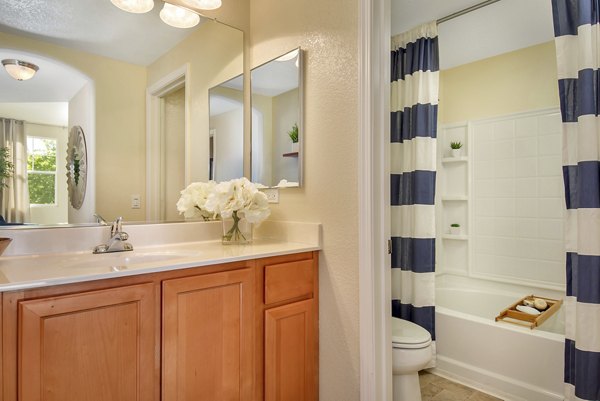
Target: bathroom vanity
239,326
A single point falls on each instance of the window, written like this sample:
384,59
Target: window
41,170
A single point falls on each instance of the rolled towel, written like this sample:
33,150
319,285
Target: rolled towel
527,309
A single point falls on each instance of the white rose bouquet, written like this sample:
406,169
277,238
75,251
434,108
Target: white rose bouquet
193,200
237,199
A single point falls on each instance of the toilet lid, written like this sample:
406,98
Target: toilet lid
407,334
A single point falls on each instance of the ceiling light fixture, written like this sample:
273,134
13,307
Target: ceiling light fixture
134,6
20,70
178,17
203,4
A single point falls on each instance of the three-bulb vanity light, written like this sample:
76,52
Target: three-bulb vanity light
174,15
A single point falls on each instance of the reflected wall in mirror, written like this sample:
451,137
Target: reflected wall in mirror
227,130
277,121
101,80
76,168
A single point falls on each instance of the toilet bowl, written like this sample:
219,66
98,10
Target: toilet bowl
411,352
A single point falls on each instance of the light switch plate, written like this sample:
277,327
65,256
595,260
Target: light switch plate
136,201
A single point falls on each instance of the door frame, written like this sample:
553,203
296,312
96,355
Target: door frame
374,206
176,79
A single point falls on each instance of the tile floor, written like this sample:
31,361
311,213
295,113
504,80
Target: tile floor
436,388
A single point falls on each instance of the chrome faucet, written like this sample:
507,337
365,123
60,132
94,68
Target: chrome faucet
116,243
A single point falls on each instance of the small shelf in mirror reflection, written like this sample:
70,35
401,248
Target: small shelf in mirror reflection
291,154
455,237
455,159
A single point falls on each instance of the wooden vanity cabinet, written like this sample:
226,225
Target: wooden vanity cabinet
92,345
291,329
233,332
88,346
207,337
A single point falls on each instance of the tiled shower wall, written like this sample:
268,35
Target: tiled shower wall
518,198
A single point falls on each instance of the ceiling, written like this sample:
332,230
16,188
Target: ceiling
501,27
93,26
43,86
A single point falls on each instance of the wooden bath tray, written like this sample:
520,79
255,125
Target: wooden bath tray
512,315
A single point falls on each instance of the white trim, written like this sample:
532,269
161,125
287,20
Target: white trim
154,177
374,228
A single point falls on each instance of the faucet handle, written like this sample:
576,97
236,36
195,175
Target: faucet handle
116,226
100,220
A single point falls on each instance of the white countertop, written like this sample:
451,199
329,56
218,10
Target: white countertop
46,269
23,272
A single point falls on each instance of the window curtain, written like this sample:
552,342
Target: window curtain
577,47
14,204
414,92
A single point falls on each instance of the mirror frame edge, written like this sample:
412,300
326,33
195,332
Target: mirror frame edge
300,115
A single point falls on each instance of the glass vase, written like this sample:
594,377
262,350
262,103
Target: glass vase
236,230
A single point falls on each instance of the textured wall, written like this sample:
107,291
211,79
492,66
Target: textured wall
327,31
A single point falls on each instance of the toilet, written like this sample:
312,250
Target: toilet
411,352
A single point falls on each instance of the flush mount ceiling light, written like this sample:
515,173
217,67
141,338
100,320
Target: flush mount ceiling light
178,17
20,70
203,4
134,6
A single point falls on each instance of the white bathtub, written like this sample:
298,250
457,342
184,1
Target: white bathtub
512,362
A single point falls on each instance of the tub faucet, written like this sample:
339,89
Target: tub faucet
116,243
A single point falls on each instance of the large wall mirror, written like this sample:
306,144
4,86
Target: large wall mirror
226,102
137,87
277,121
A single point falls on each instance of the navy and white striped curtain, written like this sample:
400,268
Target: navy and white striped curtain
578,49
415,84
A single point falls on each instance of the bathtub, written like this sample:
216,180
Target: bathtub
512,362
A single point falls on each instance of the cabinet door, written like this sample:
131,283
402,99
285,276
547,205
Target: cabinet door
290,365
92,346
208,336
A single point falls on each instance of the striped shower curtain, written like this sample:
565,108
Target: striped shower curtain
415,82
578,49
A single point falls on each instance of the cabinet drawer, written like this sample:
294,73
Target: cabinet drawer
287,281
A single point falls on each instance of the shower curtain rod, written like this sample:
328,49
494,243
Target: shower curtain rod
466,11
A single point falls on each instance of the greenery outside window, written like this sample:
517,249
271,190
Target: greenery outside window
41,170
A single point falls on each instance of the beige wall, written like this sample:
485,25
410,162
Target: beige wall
328,32
120,122
513,82
211,62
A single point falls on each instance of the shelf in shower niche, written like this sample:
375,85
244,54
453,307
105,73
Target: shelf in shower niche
454,198
455,237
462,159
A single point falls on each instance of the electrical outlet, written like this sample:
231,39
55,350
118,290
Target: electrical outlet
136,201
272,194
